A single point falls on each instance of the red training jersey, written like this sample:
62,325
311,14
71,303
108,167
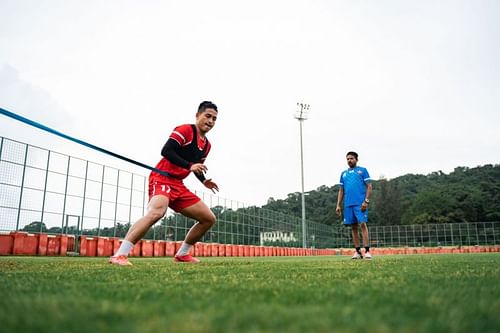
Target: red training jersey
184,135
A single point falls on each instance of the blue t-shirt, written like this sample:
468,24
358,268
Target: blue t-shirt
354,183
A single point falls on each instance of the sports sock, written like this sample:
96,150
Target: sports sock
124,248
358,249
184,249
367,248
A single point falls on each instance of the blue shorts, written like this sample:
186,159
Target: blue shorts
354,215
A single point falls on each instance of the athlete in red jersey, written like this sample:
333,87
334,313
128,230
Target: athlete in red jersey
184,152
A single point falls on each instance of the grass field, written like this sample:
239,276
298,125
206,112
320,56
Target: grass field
428,293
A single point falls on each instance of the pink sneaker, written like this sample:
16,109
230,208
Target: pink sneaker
120,260
187,258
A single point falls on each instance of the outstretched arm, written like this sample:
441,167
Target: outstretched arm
201,177
212,186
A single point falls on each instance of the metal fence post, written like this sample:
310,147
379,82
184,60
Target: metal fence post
65,194
22,187
100,202
45,190
116,197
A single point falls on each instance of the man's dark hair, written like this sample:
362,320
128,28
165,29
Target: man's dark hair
207,105
353,154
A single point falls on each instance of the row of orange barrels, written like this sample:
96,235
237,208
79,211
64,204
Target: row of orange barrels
103,246
22,243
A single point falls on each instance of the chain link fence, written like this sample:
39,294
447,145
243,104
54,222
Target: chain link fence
45,191
427,235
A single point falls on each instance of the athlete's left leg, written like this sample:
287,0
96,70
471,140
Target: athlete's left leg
364,233
205,220
366,240
362,218
355,235
205,217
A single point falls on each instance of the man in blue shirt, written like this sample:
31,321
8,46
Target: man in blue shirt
355,190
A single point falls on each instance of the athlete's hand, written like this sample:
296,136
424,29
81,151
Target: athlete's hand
338,210
198,168
211,185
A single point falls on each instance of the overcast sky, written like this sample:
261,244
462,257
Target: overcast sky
412,86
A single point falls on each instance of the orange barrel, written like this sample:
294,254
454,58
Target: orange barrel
108,247
215,250
83,246
198,249
147,248
252,250
169,249
6,244
229,250
100,246
159,248
42,244
116,244
136,250
241,250
206,250
90,247
19,237
31,244
63,244
222,250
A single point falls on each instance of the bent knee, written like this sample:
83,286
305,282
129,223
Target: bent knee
209,219
156,214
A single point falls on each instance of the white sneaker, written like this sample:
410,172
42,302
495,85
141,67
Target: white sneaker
356,255
368,255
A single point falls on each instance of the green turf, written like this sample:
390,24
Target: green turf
428,293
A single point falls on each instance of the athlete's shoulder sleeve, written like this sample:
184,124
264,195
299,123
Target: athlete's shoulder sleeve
183,134
341,181
366,176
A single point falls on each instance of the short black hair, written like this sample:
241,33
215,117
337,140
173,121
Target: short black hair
207,105
353,154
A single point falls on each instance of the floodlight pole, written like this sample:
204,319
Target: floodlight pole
301,115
